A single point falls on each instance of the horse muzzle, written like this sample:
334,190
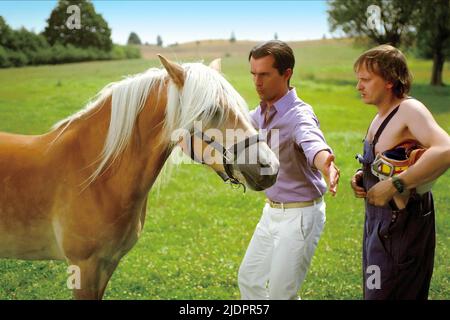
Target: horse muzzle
258,177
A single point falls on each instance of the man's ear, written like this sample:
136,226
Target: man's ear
288,73
389,85
216,64
174,70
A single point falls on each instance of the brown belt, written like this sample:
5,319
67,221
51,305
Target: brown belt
292,205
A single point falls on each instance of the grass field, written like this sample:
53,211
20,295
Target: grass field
197,228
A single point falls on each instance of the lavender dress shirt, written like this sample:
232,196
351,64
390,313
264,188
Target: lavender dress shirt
300,139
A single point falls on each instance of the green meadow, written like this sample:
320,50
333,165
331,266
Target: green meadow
197,228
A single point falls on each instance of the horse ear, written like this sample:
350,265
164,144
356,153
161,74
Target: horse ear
216,64
174,70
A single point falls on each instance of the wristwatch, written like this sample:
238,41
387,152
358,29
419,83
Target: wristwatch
398,184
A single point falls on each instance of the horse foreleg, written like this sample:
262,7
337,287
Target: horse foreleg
94,275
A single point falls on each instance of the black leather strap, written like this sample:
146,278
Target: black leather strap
381,128
229,156
237,148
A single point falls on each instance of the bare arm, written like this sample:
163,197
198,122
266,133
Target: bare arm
433,163
436,160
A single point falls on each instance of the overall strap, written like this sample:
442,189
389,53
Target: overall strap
381,128
383,125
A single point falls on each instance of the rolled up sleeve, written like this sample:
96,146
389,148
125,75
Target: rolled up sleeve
309,137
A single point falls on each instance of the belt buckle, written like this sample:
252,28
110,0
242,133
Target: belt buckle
275,204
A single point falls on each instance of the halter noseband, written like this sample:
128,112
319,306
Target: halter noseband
229,156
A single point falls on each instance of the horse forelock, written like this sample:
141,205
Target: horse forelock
206,95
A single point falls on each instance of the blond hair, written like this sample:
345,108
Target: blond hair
389,63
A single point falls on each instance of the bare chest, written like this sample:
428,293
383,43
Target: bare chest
393,134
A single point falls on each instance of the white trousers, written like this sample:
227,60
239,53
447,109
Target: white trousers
280,252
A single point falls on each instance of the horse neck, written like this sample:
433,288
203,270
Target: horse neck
149,147
136,169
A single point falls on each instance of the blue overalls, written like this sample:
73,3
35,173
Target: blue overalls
401,243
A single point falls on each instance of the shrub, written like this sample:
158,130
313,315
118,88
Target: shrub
22,47
17,58
4,59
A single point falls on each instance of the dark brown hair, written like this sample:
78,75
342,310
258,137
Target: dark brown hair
279,50
389,63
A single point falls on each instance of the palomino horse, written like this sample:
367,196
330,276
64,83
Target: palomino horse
79,193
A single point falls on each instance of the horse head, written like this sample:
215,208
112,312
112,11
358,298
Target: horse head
210,120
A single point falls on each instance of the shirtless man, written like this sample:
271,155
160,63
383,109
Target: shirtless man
399,237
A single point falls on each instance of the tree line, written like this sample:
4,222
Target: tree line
74,32
420,25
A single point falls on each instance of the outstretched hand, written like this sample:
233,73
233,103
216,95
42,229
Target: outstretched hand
331,173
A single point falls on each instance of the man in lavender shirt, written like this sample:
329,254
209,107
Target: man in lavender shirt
280,251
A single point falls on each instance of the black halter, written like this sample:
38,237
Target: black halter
229,156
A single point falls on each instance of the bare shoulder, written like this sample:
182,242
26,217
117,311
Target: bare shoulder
414,114
420,123
413,109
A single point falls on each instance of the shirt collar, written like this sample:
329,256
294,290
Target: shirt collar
283,104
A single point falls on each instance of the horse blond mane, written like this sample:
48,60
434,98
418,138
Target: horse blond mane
204,93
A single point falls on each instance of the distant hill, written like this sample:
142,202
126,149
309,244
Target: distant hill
219,48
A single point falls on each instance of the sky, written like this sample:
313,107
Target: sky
184,21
